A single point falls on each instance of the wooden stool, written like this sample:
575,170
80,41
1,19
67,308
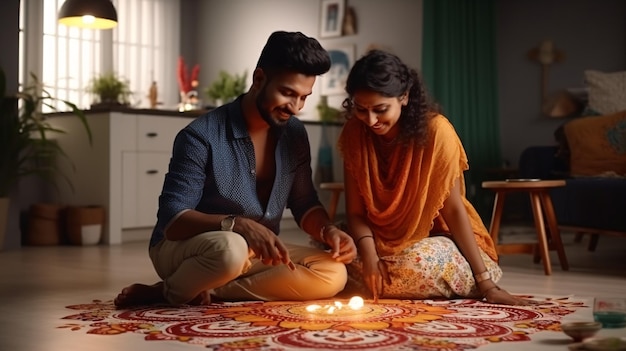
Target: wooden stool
541,204
336,188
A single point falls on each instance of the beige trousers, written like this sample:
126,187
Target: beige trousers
221,263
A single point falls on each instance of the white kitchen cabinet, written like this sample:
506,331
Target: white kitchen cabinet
123,170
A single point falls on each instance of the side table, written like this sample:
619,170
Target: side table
541,205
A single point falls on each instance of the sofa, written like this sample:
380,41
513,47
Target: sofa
590,154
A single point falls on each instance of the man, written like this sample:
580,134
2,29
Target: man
232,173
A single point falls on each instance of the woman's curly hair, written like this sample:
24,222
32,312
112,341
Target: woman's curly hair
384,73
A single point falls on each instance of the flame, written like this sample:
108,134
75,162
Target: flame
355,304
313,308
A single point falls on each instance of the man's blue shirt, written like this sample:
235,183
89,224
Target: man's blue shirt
213,165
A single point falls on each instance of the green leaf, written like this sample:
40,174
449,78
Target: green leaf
227,86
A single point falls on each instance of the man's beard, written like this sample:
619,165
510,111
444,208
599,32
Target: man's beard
265,114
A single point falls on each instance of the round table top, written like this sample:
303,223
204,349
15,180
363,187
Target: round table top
523,184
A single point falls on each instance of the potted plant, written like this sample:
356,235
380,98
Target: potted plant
25,145
227,87
109,90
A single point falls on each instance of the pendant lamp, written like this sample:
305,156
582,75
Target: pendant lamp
94,14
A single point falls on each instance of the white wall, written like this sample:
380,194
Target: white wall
231,34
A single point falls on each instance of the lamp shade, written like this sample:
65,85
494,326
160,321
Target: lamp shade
95,14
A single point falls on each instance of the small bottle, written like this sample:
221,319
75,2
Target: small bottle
153,95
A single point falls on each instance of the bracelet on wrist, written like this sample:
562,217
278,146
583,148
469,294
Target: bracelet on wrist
361,238
323,232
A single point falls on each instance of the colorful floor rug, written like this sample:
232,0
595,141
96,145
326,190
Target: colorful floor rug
387,325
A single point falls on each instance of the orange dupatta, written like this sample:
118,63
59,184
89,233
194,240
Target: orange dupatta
403,194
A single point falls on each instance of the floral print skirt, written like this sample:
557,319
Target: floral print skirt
433,267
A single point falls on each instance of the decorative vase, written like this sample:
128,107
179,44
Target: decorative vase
84,224
189,101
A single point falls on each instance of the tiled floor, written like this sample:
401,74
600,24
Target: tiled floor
36,283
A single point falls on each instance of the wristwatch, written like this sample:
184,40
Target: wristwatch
228,223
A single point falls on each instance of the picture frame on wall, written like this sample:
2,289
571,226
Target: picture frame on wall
331,19
342,58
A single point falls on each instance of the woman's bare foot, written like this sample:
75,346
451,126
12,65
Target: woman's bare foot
140,294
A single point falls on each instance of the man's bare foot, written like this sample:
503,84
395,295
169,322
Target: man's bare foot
140,294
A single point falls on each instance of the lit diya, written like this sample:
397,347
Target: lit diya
337,308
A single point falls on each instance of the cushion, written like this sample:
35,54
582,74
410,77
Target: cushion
607,91
563,153
597,145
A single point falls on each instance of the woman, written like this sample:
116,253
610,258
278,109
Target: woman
417,234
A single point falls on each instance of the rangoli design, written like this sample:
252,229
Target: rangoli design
387,325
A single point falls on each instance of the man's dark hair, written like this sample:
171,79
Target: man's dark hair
294,51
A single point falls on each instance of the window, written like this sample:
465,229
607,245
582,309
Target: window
142,48
146,47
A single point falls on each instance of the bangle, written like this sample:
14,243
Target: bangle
323,230
362,237
481,277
